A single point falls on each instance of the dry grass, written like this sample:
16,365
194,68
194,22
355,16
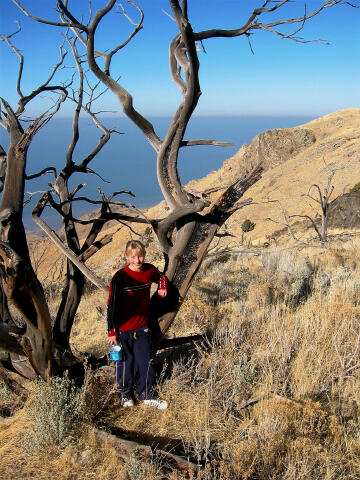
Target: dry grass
298,360
42,440
89,332
294,351
84,457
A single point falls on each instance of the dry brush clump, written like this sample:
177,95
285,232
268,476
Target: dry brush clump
54,411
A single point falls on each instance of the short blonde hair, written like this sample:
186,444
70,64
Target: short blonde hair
134,245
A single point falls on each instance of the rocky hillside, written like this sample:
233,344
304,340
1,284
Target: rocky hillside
293,160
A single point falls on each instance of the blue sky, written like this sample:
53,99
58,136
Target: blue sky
281,78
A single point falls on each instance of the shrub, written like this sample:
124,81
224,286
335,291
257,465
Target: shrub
54,410
223,281
287,264
355,188
247,226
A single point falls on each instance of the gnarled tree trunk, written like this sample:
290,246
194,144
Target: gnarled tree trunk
19,282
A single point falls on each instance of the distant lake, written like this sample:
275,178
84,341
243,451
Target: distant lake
129,162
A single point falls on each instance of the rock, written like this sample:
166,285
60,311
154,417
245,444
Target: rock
275,147
344,211
271,148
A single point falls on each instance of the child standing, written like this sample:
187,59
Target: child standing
128,316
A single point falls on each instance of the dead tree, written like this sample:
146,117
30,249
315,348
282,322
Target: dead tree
47,347
323,199
19,282
193,221
286,217
76,252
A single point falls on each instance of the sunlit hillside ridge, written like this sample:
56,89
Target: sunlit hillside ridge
293,160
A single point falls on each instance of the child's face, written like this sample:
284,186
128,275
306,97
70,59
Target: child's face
135,260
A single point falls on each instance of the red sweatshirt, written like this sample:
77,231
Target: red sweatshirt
129,298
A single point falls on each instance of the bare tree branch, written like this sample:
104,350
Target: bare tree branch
21,58
138,27
95,246
323,201
240,205
191,143
76,24
64,249
40,174
253,24
286,218
312,223
162,227
121,93
24,99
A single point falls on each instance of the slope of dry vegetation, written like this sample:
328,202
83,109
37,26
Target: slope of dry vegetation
274,394
274,391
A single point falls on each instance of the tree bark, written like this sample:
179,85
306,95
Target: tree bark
19,282
8,339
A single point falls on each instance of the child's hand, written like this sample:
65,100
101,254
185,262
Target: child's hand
112,340
162,292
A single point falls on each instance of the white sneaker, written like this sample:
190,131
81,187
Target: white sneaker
157,403
127,402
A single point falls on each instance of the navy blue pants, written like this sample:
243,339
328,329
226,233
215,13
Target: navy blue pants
135,372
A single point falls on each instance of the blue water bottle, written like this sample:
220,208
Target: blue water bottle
116,353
